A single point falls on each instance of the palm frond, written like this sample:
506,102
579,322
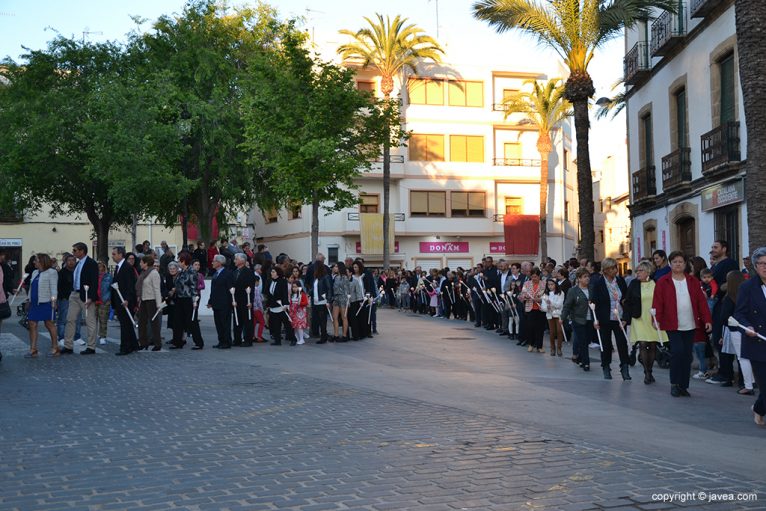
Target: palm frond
544,106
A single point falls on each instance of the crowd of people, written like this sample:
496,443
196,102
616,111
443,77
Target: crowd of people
673,307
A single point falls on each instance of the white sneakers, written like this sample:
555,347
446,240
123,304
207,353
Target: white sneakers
81,342
699,376
301,341
102,341
593,346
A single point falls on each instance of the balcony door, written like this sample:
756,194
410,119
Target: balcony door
728,90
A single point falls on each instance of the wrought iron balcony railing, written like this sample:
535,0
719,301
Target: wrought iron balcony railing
515,162
701,8
644,183
637,64
720,147
676,168
668,31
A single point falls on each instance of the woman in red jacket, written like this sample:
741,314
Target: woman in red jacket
681,310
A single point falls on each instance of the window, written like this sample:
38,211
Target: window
369,202
428,203
427,148
601,235
467,204
270,216
601,205
514,205
508,93
332,255
646,144
680,121
512,150
294,210
425,92
366,86
566,160
466,93
566,210
726,69
466,148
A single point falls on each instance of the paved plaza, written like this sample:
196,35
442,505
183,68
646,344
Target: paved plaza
430,415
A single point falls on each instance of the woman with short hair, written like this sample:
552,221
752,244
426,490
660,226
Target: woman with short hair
43,290
681,309
185,291
149,293
637,312
341,289
532,295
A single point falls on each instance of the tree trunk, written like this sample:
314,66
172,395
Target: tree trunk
584,180
314,225
386,201
101,226
185,224
133,232
544,147
751,31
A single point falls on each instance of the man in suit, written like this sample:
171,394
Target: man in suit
607,291
491,279
477,297
751,314
309,281
125,278
244,279
220,301
83,298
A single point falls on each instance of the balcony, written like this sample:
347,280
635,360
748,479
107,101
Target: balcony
668,31
644,184
676,169
701,8
515,162
397,166
636,64
720,148
354,217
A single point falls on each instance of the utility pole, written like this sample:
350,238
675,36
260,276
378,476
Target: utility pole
87,32
437,17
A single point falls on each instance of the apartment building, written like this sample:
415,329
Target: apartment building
611,217
465,186
686,130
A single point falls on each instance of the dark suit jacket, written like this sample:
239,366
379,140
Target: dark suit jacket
323,288
599,295
126,280
369,283
492,277
243,279
751,312
281,293
89,277
631,305
220,298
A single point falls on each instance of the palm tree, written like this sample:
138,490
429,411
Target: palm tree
391,47
750,17
545,108
613,105
574,29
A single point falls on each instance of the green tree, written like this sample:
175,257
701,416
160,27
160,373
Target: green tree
204,53
391,47
54,112
750,20
575,29
545,108
308,131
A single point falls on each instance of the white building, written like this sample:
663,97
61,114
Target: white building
612,218
464,170
686,131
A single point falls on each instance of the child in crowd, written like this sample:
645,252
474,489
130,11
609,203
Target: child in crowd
709,287
298,316
258,320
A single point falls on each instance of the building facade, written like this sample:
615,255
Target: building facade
611,217
465,172
686,131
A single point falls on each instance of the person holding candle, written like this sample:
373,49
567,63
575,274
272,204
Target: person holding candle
681,309
43,290
279,301
532,295
220,301
244,281
607,291
149,293
185,291
751,316
124,300
83,298
104,302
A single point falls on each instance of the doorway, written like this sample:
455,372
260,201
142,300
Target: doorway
687,235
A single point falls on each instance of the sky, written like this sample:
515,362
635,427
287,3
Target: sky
31,23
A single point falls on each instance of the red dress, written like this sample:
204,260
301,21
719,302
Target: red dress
298,304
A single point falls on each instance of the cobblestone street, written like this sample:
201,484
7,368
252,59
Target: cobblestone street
316,428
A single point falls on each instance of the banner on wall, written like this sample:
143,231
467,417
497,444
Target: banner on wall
359,247
443,247
497,247
522,234
371,232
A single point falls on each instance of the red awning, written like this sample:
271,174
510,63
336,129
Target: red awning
522,234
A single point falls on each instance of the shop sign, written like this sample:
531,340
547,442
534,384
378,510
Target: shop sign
359,247
10,242
443,247
497,247
722,195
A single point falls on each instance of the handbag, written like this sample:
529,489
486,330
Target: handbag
632,356
728,345
5,311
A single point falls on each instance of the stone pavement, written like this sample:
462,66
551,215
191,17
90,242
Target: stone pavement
393,423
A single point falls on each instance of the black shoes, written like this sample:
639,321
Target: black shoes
647,379
625,372
293,343
195,348
275,343
123,353
66,351
607,373
88,351
342,339
157,348
675,391
586,368
247,344
322,341
176,347
685,393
